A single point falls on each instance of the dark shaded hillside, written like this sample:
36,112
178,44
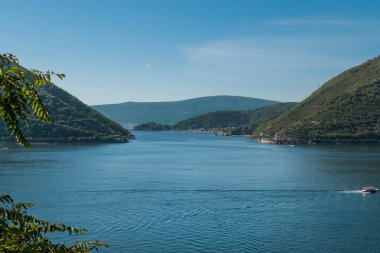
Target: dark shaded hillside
223,119
152,126
73,122
345,109
171,112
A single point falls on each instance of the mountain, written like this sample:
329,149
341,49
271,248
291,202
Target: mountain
73,122
234,119
344,109
223,122
133,113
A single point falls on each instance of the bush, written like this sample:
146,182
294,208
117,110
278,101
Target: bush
20,232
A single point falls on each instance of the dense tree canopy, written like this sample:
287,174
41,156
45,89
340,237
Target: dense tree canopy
19,95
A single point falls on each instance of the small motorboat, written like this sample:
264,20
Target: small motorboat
369,190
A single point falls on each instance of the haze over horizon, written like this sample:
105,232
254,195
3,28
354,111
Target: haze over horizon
148,51
168,101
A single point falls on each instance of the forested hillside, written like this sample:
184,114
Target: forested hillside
345,109
73,122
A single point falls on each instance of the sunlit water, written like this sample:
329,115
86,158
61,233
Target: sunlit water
188,192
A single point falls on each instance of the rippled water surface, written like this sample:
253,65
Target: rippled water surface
187,192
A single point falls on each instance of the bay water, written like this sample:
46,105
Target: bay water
194,192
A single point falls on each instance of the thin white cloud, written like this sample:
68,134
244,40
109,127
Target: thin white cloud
247,52
321,21
223,50
148,65
309,21
298,60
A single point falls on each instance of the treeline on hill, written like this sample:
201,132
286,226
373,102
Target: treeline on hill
73,122
345,109
223,122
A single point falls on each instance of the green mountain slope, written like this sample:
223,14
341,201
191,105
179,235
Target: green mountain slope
345,109
223,119
73,122
171,112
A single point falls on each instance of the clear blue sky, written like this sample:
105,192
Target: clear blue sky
158,50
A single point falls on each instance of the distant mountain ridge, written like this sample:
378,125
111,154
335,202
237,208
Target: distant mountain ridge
223,122
74,122
344,109
135,113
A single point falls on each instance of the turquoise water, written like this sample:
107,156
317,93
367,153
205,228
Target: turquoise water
190,192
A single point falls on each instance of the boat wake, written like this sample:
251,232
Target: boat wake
352,191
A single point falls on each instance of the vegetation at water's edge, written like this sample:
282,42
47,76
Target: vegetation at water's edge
345,109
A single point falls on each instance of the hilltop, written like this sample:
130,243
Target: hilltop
74,122
344,109
223,122
134,113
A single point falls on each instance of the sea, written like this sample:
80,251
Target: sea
196,192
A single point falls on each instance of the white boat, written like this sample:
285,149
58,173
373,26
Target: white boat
369,189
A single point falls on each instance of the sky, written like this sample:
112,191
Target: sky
165,50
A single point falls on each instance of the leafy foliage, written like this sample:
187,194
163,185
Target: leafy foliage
20,232
19,96
345,109
171,112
